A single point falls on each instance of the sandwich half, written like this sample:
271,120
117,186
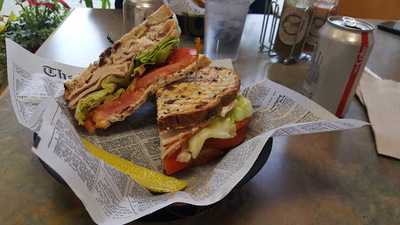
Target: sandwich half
201,117
143,60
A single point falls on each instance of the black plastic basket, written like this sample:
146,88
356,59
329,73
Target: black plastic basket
178,210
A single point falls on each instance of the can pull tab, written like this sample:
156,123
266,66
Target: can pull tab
350,22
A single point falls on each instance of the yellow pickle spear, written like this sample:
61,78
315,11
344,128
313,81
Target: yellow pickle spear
149,179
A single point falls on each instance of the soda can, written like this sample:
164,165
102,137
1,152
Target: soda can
338,62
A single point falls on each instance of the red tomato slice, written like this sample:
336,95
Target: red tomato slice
179,59
89,125
181,53
242,123
225,144
171,165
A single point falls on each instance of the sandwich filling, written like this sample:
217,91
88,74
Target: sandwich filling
199,145
156,56
220,127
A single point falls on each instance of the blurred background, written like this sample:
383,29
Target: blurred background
30,22
369,9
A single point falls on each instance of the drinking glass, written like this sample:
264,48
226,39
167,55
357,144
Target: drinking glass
224,22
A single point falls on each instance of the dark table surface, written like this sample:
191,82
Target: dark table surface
328,178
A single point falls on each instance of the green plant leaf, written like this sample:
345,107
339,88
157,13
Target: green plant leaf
89,3
12,16
2,28
34,24
1,4
105,4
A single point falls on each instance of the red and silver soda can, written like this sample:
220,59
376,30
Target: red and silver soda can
338,62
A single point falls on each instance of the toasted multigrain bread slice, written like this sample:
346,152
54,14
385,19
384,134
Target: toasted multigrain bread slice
196,99
117,59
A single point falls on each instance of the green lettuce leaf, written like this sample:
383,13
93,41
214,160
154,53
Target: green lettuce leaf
156,55
242,109
94,99
218,128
